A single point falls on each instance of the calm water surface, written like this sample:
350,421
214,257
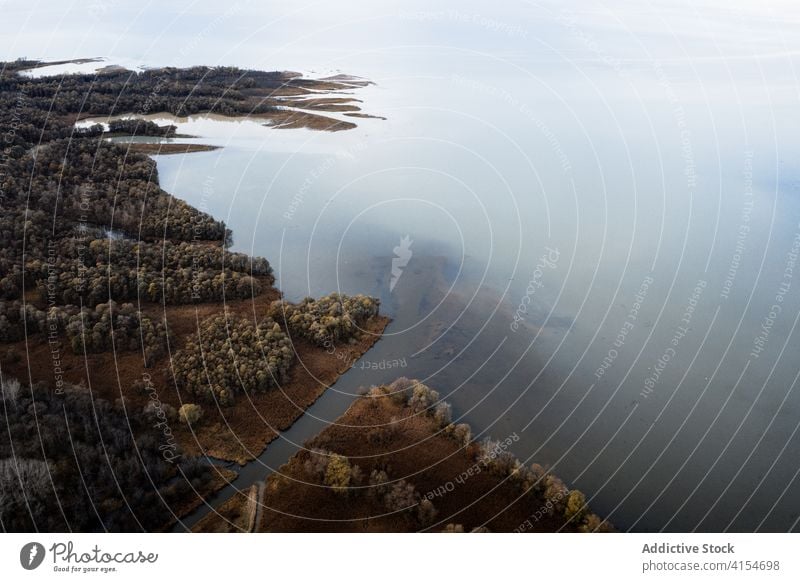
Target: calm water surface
599,204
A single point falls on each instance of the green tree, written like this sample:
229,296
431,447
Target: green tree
338,473
576,505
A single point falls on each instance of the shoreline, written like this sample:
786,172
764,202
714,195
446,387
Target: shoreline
110,317
402,466
167,149
298,103
291,432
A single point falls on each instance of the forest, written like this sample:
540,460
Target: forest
231,355
85,471
63,192
327,320
93,255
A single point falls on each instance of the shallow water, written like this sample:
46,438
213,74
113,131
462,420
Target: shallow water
332,222
651,149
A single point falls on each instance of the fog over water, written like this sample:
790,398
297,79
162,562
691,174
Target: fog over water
601,205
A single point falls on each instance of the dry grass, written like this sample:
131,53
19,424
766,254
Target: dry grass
237,433
233,516
411,448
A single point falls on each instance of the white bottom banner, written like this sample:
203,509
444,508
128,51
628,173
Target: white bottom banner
355,557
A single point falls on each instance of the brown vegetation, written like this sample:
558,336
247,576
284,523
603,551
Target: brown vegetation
394,435
84,224
237,515
163,149
230,356
327,320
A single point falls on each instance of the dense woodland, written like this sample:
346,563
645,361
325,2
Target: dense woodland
88,243
106,327
85,471
84,223
223,90
140,127
231,355
327,320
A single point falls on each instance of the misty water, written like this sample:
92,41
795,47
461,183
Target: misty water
600,223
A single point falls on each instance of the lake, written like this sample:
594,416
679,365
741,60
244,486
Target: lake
583,219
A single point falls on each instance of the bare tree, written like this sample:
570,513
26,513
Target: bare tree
21,480
10,388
